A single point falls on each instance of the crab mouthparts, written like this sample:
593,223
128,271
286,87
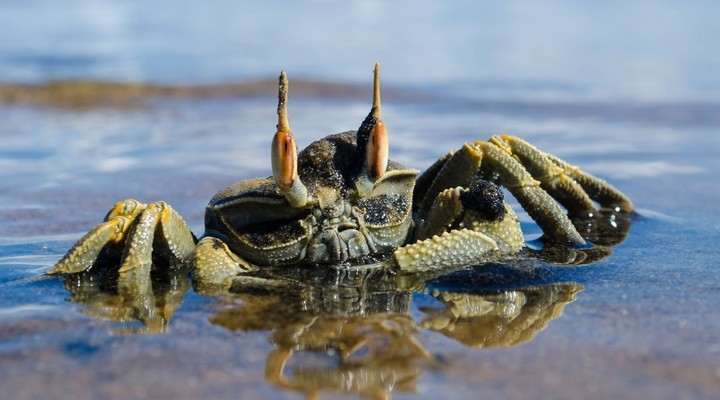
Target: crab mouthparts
338,244
338,235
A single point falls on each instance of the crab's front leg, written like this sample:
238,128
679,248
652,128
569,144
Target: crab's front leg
133,230
463,226
216,269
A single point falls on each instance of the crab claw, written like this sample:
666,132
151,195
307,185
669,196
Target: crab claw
377,146
284,153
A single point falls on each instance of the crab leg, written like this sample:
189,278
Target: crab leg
598,189
459,169
162,226
275,366
537,202
133,225
215,266
570,186
483,237
449,249
84,253
453,209
112,231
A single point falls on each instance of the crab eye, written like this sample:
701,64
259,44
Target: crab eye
377,151
377,146
373,135
284,153
284,159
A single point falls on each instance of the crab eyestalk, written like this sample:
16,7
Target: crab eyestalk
284,153
374,134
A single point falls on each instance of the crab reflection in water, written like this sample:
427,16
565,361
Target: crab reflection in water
341,330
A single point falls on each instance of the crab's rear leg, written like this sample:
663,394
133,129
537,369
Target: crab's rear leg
569,185
459,169
499,165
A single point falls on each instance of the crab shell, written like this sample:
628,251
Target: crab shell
341,221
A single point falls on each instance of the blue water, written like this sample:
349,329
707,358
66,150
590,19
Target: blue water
630,92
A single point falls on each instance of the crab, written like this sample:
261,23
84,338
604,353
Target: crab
342,202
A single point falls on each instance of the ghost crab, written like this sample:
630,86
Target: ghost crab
342,201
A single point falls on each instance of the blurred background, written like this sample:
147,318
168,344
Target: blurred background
614,50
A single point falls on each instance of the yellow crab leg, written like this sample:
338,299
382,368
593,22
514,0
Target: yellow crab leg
570,186
552,178
448,212
454,235
449,249
175,242
426,179
275,366
215,266
84,253
459,169
112,231
541,207
455,169
598,189
444,213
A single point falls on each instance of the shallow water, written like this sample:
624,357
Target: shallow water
629,93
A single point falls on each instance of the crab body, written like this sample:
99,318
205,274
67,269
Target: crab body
341,201
339,224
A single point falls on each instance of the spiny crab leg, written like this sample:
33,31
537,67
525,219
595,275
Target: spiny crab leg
284,153
113,230
598,189
567,184
540,205
377,145
459,167
139,229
